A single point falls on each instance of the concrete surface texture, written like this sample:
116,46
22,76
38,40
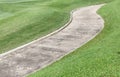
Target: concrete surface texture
85,25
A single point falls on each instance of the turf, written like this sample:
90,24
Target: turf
98,58
22,21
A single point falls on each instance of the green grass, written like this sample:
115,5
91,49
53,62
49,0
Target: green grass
26,20
98,58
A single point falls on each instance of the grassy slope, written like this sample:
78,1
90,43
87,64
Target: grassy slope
98,58
24,21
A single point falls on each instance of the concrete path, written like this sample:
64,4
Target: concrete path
85,25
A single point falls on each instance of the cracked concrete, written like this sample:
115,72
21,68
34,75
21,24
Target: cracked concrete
85,25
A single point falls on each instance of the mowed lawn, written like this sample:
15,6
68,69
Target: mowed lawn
98,58
22,21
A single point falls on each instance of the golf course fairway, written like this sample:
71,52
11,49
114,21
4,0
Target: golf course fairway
26,20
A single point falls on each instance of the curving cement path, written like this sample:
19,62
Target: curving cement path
85,25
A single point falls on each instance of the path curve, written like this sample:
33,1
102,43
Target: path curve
85,25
